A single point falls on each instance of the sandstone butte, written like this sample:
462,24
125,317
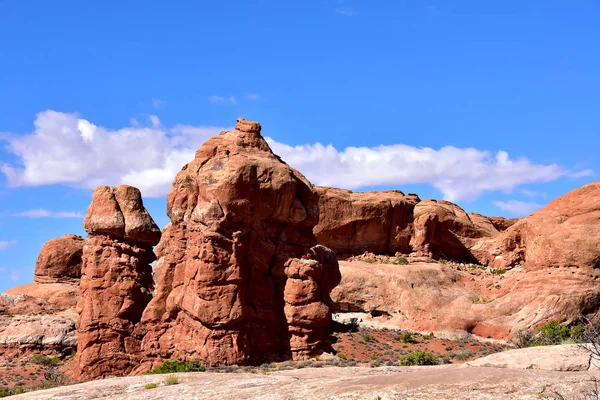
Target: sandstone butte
244,273
239,277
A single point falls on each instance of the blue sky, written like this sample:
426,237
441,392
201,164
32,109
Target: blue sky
494,105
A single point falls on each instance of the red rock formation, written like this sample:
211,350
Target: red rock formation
352,223
444,230
116,284
238,277
59,260
389,222
565,233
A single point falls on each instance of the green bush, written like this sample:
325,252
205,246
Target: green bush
150,386
341,356
497,271
551,333
429,336
170,367
419,358
408,337
5,392
45,360
401,261
171,380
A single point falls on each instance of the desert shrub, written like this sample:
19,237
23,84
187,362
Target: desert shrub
463,354
401,261
442,261
150,386
481,300
429,336
408,337
45,360
497,271
367,337
5,392
419,358
341,356
171,380
52,375
551,333
170,367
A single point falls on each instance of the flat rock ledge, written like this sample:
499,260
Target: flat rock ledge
515,374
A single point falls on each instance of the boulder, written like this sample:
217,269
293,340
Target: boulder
60,260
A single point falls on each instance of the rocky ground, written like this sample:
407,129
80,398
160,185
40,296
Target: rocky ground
566,371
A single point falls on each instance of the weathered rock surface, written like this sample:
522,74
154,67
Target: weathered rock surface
565,233
352,223
55,296
60,260
570,357
441,297
434,382
239,279
116,284
389,222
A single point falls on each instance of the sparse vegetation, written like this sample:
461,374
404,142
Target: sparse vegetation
170,367
481,300
400,261
408,337
341,356
429,336
150,386
171,380
497,271
551,333
419,358
45,360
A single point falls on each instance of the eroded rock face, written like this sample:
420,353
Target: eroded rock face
389,222
352,223
565,233
116,284
239,279
59,260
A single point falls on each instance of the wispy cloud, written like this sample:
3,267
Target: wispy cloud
43,213
230,100
4,244
158,103
346,11
582,174
253,96
517,208
61,147
534,193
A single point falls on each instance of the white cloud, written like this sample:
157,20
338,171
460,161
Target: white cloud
459,173
253,96
534,193
65,149
158,103
518,208
231,100
155,121
582,174
43,213
346,11
4,244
